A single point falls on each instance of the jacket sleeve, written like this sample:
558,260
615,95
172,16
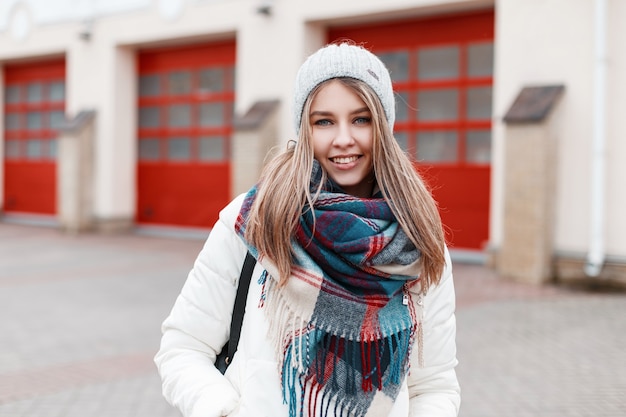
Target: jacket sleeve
198,327
433,387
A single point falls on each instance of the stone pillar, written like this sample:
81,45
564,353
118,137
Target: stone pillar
526,253
254,135
75,173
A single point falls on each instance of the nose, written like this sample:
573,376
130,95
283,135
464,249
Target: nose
344,135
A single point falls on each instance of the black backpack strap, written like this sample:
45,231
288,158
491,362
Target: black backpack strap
240,305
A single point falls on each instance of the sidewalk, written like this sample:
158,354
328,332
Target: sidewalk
81,315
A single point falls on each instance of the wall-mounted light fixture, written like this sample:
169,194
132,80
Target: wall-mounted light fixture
264,7
86,30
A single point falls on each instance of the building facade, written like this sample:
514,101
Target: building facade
172,88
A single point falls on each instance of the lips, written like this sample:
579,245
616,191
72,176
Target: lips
344,159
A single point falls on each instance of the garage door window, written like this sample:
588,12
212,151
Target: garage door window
33,114
443,101
191,122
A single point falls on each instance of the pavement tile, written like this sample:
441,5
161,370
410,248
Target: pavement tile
82,313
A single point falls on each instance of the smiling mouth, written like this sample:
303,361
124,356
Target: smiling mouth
344,159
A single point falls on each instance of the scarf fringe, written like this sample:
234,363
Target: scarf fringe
320,402
417,315
310,353
262,281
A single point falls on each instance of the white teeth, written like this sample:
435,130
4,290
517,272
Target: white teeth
345,160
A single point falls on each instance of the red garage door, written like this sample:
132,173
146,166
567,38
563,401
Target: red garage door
442,70
186,97
34,107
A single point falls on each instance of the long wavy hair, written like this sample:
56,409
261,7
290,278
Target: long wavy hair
283,192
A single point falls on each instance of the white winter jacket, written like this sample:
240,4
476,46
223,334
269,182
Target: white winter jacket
199,323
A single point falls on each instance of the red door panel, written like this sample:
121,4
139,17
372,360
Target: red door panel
442,69
463,197
34,108
183,195
30,187
185,106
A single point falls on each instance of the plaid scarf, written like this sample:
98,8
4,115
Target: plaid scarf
343,328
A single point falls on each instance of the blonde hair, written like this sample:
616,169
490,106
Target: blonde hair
284,191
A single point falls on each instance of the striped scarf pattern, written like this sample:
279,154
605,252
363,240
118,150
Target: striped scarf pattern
342,327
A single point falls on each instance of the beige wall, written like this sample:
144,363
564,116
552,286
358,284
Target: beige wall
551,42
616,128
101,73
537,42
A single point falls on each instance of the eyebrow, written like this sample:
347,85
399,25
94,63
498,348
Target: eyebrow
328,113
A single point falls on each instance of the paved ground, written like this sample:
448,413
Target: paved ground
80,320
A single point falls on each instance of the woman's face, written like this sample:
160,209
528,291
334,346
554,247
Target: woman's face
342,137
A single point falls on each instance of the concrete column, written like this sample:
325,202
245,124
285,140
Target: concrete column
75,173
526,253
270,49
116,144
254,134
103,78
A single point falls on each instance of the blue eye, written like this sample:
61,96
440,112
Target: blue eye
322,122
362,120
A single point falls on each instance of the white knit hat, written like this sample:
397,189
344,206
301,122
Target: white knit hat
343,60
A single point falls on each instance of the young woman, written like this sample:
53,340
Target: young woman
351,307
